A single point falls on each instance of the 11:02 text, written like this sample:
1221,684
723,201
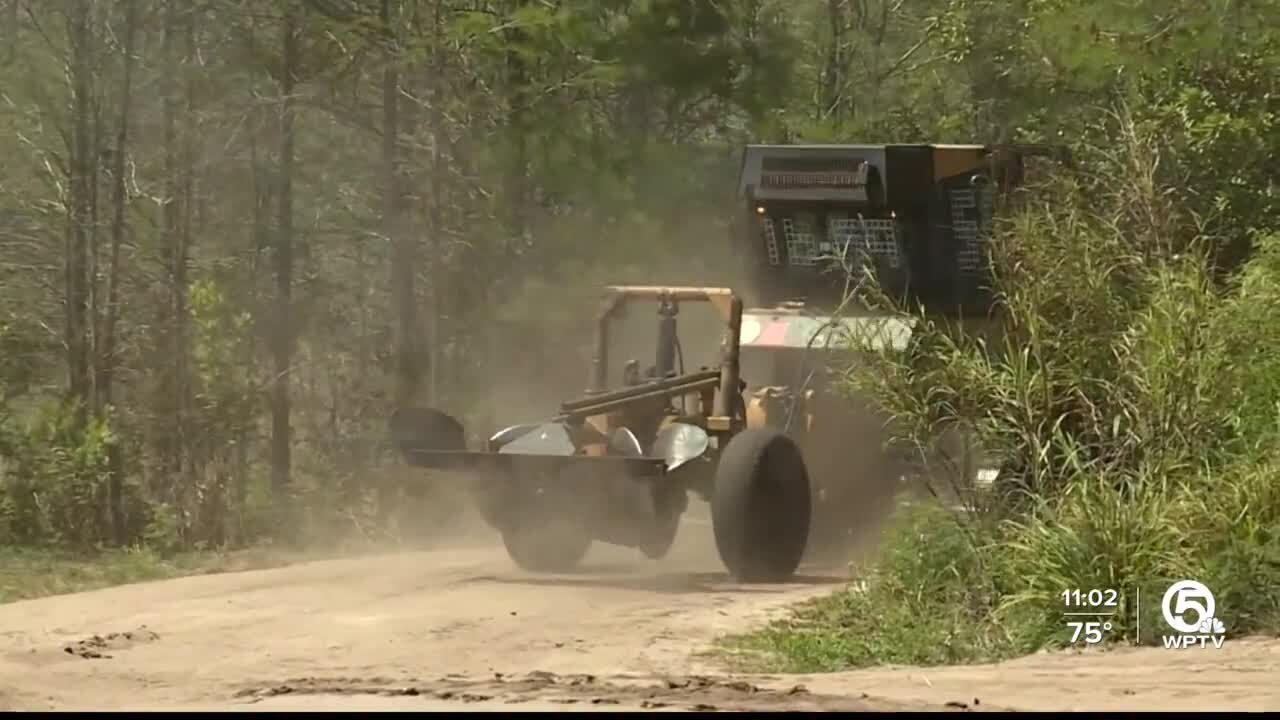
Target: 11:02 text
1090,598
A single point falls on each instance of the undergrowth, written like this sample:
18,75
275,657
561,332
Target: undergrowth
27,573
1132,405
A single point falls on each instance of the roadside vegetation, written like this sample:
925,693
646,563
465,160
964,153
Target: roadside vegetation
27,573
234,234
1132,404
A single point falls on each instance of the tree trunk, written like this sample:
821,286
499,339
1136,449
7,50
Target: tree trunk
439,175
395,151
188,447
106,355
282,335
395,227
517,190
167,436
261,243
80,194
11,56
94,272
832,104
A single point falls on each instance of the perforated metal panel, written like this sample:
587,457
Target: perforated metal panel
861,240
802,243
771,241
971,223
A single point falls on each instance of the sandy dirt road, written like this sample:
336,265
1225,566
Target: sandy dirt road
460,628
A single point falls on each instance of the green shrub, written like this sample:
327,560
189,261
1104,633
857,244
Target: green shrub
54,483
1132,402
928,600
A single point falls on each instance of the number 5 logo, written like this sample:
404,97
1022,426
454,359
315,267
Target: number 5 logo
1184,596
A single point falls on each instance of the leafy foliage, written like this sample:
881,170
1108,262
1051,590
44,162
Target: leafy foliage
1131,406
542,148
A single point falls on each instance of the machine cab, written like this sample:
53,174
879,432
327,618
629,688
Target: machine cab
816,217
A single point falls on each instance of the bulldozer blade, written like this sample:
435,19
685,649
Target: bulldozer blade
506,435
419,430
545,439
623,442
519,465
679,443
432,439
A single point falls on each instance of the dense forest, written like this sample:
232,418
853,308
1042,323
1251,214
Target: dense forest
235,233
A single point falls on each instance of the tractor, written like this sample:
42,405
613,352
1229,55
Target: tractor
790,467
617,465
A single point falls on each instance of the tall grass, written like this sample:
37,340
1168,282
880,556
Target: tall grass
1132,401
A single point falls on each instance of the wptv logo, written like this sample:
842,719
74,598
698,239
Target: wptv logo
1189,609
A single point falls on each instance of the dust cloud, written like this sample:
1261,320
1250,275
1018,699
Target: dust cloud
541,356
546,360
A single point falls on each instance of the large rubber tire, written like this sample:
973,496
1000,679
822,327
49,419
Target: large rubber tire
761,507
549,549
542,541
